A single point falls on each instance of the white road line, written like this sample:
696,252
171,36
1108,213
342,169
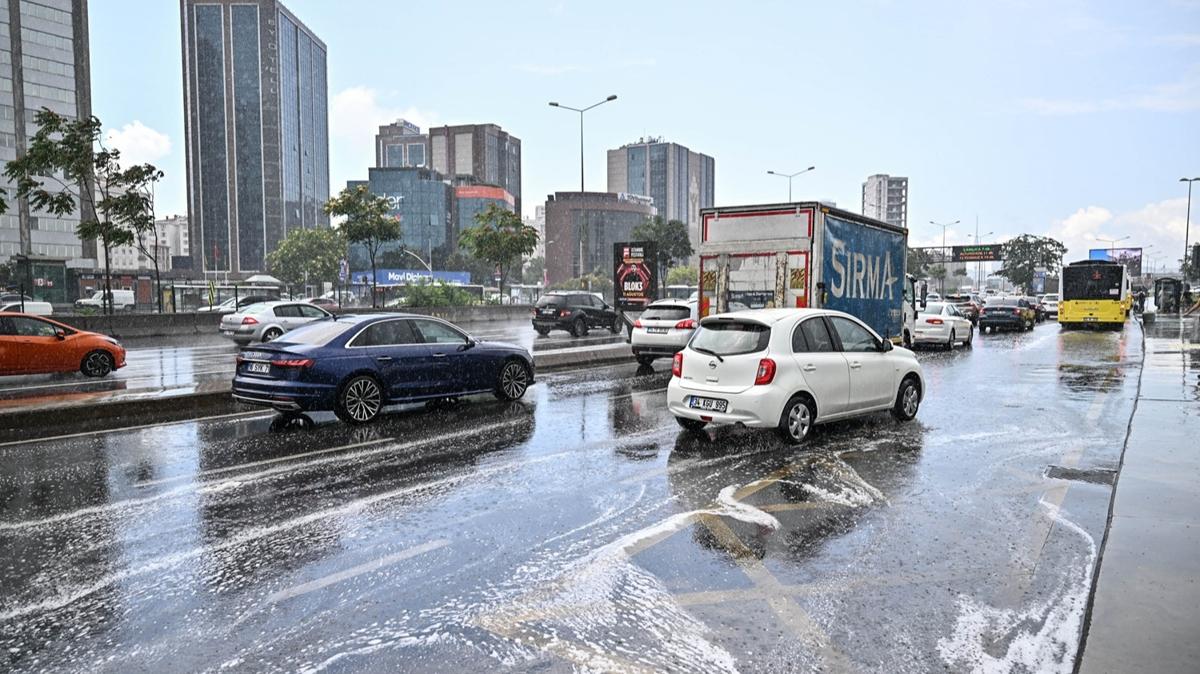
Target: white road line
373,565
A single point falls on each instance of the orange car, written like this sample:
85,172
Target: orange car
36,345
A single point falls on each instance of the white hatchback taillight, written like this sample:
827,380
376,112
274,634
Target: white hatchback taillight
677,365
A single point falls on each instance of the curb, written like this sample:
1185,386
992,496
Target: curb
65,419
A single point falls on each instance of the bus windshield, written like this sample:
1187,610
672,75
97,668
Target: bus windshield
1092,282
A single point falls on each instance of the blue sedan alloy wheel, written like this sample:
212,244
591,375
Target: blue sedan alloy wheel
360,400
514,380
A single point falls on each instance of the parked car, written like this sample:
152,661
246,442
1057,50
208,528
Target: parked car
266,321
1007,313
969,305
356,365
1050,305
790,369
36,345
31,307
323,302
234,304
943,324
662,330
14,297
575,312
121,300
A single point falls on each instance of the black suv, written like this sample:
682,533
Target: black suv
574,312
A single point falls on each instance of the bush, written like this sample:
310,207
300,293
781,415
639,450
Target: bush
438,294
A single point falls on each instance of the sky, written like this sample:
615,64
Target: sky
1061,118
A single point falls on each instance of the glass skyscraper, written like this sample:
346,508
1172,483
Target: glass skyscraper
680,181
257,125
43,64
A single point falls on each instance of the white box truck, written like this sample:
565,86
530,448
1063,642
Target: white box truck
806,254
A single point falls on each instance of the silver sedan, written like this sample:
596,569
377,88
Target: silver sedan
266,321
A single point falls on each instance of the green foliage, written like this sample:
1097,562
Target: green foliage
961,271
671,237
307,255
595,282
937,272
919,260
437,294
67,168
499,238
684,275
1024,254
368,222
534,271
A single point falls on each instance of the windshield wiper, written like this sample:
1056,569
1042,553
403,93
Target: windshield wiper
711,353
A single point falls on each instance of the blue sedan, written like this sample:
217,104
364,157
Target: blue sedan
355,365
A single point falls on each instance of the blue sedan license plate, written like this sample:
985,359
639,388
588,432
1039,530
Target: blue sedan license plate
258,368
708,404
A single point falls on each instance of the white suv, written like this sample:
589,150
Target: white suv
662,330
790,369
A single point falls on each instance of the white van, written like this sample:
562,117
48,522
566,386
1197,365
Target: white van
32,307
122,300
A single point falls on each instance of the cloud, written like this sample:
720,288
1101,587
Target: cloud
1157,227
138,143
355,115
1180,96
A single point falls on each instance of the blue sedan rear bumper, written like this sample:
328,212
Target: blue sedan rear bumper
283,395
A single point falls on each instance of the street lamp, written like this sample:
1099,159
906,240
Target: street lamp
1187,225
789,177
554,104
979,265
1112,243
942,281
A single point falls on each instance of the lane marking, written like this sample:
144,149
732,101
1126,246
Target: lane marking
368,567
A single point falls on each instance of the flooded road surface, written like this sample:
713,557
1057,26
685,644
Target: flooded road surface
581,530
203,363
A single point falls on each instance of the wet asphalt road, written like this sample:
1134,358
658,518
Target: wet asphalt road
199,363
580,529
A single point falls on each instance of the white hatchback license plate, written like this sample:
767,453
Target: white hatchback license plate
258,368
708,404
657,331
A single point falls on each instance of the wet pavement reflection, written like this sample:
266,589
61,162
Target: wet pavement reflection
581,529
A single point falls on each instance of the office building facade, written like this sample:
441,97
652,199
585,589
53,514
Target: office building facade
680,181
401,145
485,152
581,228
45,64
256,120
424,202
885,198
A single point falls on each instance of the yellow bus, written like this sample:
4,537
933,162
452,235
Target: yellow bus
1095,293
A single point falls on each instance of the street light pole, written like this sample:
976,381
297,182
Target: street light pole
1187,226
942,281
789,177
555,104
1112,243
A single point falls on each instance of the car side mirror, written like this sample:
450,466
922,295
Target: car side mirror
470,344
60,334
886,345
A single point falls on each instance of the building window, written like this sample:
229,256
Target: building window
416,154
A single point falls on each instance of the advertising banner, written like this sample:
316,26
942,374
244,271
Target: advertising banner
1130,257
398,277
988,252
863,272
634,285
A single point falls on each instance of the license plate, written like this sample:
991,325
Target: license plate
1089,318
549,312
657,331
258,368
708,404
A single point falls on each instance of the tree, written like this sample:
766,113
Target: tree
938,273
305,254
534,271
84,175
1025,254
367,222
683,275
499,238
146,225
671,237
919,260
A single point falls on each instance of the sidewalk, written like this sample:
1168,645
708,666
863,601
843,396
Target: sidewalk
1146,605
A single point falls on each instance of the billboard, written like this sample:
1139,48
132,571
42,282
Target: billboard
398,277
1130,257
863,273
634,285
988,252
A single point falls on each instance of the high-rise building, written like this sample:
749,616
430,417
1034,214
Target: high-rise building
538,222
484,151
172,236
401,144
581,228
45,64
256,116
680,181
885,198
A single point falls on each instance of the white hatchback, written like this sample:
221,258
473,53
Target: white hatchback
790,369
943,324
662,330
